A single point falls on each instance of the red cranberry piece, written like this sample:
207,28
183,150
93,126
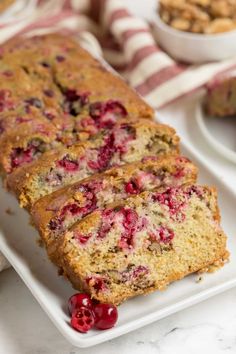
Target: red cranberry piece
130,218
7,73
68,164
105,154
105,114
83,239
72,208
130,223
49,93
79,300
82,319
107,221
179,173
132,187
74,101
98,283
134,273
5,100
20,156
165,234
60,58
106,316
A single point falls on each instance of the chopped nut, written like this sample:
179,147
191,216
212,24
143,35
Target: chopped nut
220,25
180,24
199,16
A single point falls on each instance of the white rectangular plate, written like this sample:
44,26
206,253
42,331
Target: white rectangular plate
18,244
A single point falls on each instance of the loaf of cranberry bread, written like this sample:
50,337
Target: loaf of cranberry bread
54,76
124,143
53,214
220,99
145,243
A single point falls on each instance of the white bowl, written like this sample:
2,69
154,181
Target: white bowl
194,48
218,132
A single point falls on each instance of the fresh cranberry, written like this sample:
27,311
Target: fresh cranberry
79,300
68,164
132,187
106,316
82,319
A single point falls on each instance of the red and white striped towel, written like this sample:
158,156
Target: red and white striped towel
125,41
107,28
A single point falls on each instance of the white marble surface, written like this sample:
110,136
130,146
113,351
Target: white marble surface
209,327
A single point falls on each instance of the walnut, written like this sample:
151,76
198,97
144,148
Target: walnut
199,16
220,25
181,24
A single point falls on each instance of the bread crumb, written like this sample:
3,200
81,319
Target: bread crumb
9,211
199,280
39,242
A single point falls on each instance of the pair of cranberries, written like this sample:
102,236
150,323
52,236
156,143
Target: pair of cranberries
86,314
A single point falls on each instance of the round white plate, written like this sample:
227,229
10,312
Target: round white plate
220,133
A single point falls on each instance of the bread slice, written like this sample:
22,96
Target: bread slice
125,143
220,99
53,214
145,243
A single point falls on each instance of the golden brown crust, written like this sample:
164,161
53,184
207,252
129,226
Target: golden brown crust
74,98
